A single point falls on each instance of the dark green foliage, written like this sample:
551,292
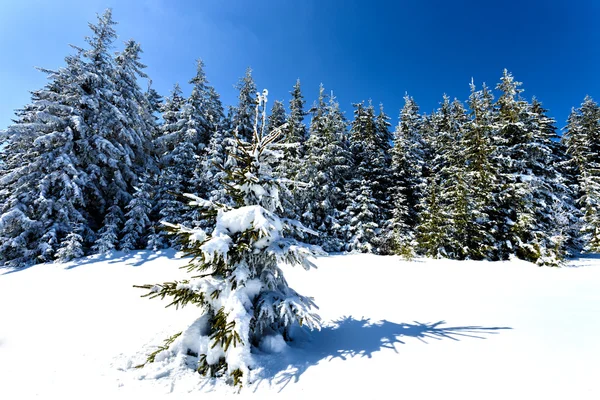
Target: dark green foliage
165,346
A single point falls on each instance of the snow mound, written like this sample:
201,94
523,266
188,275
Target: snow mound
273,344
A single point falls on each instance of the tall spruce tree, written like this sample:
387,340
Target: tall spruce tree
527,203
479,173
582,141
243,114
366,213
293,149
325,170
384,191
116,145
294,136
188,130
93,125
407,176
42,195
434,216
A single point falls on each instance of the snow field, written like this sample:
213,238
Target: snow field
512,330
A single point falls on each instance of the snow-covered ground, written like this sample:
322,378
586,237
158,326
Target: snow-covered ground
426,329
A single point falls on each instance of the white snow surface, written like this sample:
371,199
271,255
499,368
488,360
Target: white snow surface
425,329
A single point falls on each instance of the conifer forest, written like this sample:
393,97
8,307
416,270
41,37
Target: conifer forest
95,162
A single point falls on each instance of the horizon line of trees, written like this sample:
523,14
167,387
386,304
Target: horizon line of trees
95,162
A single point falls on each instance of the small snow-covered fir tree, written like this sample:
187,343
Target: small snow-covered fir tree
137,217
109,233
71,247
238,284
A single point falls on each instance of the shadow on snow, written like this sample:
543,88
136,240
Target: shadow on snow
134,259
350,337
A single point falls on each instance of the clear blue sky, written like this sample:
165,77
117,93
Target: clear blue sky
360,49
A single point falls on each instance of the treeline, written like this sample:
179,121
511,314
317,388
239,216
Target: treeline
95,162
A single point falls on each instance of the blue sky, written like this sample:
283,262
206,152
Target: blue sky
360,49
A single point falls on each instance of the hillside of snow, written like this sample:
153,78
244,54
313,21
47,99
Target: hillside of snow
423,329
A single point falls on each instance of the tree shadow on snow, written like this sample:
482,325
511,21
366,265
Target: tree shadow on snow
133,259
350,337
582,260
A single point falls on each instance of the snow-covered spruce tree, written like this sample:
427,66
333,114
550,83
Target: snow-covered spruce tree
366,215
294,136
277,117
116,148
239,285
187,132
292,147
166,139
479,173
325,170
432,219
205,179
407,176
243,114
582,139
41,183
556,217
384,189
529,182
437,208
137,217
155,101
221,153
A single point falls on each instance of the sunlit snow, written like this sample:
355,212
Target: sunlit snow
424,329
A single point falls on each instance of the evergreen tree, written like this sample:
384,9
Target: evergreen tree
116,147
366,212
42,196
292,147
220,156
294,136
188,130
242,291
432,218
243,114
479,173
556,219
71,246
407,176
170,109
277,117
446,219
91,128
108,235
155,101
582,141
527,200
137,218
325,170
384,191
205,179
